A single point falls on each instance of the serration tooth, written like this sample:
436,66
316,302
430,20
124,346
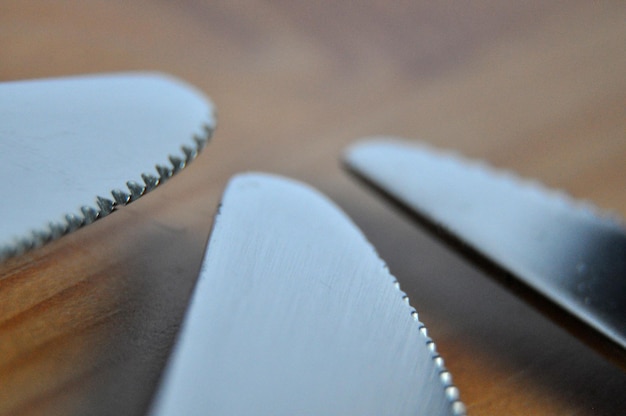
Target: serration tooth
446,378
177,163
459,409
121,198
150,180
73,222
90,214
190,154
106,206
164,173
452,393
201,142
36,242
440,364
56,230
42,236
208,131
25,244
136,189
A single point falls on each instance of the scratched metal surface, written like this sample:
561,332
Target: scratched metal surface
295,313
71,146
536,87
568,251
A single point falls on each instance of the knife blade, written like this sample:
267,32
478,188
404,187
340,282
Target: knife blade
294,313
74,149
569,255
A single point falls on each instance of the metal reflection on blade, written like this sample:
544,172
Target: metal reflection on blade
563,249
294,313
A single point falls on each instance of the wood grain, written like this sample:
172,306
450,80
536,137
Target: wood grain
537,87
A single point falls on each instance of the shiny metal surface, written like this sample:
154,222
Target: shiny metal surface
72,149
295,314
565,250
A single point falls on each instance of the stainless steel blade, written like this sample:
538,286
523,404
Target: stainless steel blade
562,249
73,149
295,314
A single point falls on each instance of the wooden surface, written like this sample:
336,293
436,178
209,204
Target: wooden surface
537,87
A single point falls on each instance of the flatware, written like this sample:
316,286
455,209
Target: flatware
294,313
72,150
566,255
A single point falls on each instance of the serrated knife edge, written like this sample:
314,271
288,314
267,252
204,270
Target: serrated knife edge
126,192
565,250
104,205
378,144
101,206
259,294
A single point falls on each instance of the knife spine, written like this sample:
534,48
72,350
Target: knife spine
104,205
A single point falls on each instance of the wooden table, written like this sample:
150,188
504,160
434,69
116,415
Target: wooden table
537,87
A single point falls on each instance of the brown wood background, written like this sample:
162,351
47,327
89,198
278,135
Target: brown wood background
537,87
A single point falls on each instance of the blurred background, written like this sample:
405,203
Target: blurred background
536,87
